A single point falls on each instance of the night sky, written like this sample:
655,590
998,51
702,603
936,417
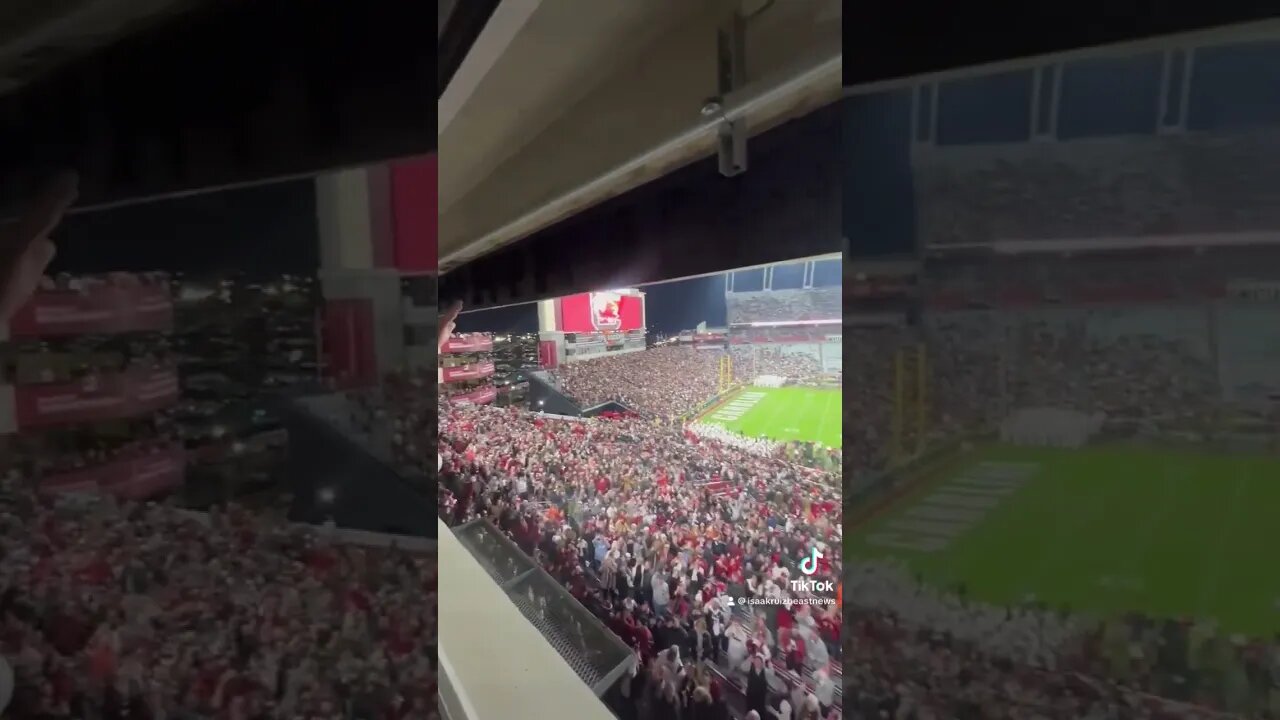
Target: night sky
263,231
669,308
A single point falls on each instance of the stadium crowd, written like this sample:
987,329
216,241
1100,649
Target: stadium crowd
920,652
756,446
1210,183
753,360
819,303
981,364
868,400
662,382
127,610
917,651
670,381
655,529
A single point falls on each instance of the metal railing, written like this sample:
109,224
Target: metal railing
594,652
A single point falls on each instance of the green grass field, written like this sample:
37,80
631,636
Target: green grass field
1103,530
791,413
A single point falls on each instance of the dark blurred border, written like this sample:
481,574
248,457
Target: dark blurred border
885,41
235,92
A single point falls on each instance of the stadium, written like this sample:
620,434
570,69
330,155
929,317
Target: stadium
610,511
658,483
1064,438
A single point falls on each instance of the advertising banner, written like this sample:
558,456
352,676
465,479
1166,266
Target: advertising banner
476,342
98,308
481,396
127,394
415,213
471,371
137,477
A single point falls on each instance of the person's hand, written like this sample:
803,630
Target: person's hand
25,248
447,323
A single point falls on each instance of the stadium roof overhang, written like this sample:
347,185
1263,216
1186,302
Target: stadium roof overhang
36,38
155,98
111,87
562,105
568,108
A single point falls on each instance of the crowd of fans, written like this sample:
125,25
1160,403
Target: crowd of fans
868,400
784,334
1140,187
916,651
755,445
673,380
663,382
396,421
982,364
111,611
751,361
1122,278
820,303
655,528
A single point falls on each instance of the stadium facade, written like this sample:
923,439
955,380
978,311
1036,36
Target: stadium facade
786,309
377,232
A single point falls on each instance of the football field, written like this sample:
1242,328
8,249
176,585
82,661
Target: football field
787,414
1103,531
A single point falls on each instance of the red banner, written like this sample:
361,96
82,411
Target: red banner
415,213
601,311
547,354
472,371
481,396
101,307
475,342
349,343
121,395
137,477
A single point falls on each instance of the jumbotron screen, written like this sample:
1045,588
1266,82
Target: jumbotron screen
610,311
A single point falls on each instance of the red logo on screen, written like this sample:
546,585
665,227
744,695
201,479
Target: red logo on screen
606,310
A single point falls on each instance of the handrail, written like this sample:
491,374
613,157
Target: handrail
601,686
525,677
